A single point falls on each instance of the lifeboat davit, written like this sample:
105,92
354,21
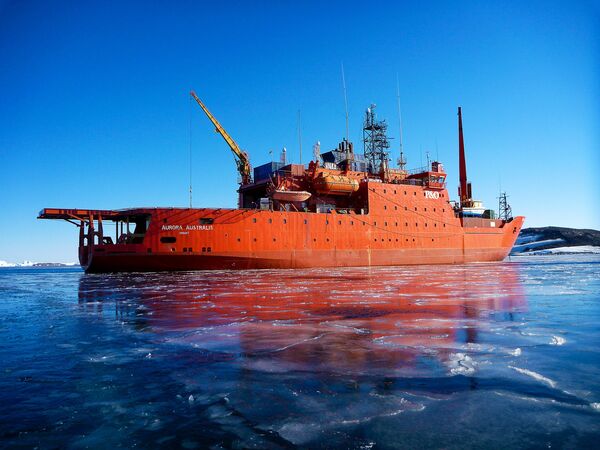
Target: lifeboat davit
291,196
335,184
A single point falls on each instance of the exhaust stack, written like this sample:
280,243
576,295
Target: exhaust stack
464,190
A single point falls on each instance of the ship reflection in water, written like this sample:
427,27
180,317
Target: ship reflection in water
335,357
407,321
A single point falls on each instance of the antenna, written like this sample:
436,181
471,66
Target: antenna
190,115
345,101
504,209
401,159
300,134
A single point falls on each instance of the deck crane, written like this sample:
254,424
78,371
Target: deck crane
241,157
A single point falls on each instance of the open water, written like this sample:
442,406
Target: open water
475,356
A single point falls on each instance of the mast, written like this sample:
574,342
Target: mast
463,191
345,103
300,134
401,159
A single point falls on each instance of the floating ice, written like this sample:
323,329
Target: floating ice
461,364
557,340
535,375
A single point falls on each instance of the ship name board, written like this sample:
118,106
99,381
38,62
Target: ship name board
187,228
432,194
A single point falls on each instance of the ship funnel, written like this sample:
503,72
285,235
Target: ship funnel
463,190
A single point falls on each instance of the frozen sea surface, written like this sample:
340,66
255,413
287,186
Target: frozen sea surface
475,356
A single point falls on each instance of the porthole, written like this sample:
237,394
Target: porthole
270,220
305,221
168,240
339,222
254,219
284,221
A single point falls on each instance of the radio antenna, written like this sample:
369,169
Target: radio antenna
399,111
300,134
345,101
190,155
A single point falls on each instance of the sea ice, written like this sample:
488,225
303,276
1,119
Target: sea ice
535,375
461,364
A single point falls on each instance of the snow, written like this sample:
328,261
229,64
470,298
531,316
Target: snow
521,247
567,250
28,263
527,238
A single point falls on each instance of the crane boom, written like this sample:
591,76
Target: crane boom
241,157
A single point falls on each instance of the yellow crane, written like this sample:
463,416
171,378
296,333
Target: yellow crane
241,157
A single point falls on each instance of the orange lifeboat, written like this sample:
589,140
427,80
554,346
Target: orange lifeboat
290,196
335,184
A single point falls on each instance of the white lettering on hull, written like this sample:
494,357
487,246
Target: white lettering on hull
432,194
187,227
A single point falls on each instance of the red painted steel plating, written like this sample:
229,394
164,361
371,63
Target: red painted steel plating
404,225
349,219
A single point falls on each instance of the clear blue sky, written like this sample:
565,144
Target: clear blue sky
94,109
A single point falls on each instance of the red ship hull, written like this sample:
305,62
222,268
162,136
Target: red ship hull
404,226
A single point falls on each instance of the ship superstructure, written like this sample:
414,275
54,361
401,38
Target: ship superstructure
342,209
